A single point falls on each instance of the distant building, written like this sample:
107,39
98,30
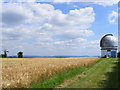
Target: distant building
108,46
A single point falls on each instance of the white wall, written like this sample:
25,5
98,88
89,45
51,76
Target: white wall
108,53
103,53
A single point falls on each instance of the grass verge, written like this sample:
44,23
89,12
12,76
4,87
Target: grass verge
102,75
60,78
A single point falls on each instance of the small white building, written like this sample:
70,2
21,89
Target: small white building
108,46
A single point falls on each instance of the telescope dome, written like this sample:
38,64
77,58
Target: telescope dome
108,41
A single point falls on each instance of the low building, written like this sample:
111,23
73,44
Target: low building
108,46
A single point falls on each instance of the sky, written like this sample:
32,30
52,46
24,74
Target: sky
57,27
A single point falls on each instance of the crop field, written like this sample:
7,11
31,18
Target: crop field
23,72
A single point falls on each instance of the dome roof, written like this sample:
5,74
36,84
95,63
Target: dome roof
108,41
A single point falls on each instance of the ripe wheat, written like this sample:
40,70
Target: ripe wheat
23,72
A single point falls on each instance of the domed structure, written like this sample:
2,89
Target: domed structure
108,41
108,46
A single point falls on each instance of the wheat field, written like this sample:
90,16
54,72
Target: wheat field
23,72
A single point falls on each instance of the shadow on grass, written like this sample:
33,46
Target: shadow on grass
113,78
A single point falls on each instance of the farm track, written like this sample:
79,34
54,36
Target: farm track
102,75
23,72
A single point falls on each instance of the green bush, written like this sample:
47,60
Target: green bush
118,55
20,54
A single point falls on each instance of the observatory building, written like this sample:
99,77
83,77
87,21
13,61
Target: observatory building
108,46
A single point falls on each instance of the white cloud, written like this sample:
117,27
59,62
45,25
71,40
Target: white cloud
44,27
59,42
81,16
105,3
113,17
62,1
72,34
28,13
99,2
15,1
20,32
15,14
74,24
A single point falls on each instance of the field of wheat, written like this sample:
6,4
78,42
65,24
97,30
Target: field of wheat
23,72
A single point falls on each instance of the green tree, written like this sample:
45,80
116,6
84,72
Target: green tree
5,53
20,54
118,55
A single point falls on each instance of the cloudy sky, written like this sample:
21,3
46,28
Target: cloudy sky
56,27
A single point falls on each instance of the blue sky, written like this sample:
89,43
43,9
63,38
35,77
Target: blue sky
52,28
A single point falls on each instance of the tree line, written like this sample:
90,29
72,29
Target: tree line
20,54
4,55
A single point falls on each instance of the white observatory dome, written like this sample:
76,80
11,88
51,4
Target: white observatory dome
108,41
108,46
